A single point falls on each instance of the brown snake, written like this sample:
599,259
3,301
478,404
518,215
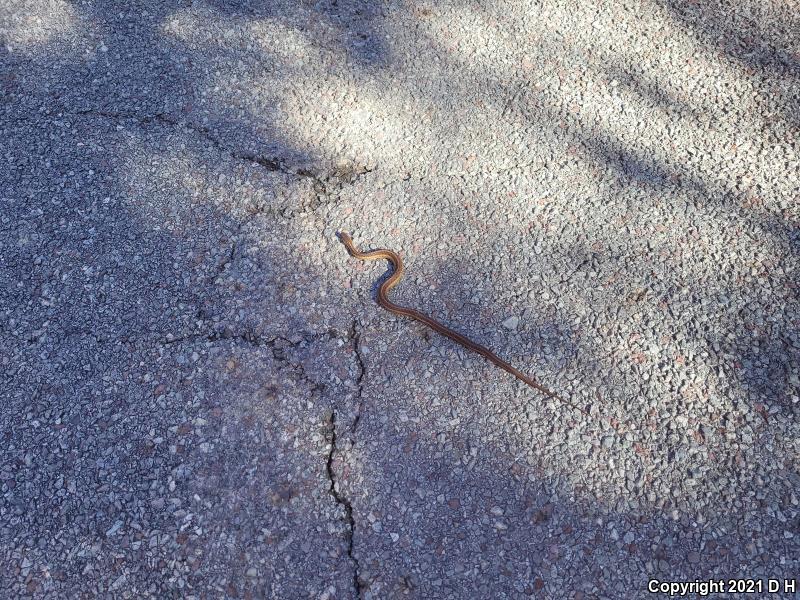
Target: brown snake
383,300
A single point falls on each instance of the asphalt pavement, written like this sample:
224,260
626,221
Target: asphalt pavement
201,398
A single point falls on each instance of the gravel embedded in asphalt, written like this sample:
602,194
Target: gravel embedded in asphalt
201,396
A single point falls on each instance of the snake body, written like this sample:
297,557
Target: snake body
383,300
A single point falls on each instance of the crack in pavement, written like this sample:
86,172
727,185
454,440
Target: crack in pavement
326,186
341,499
277,345
344,502
324,183
341,175
256,339
227,260
355,336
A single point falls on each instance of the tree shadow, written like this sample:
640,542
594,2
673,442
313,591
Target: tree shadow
144,61
761,41
358,32
638,82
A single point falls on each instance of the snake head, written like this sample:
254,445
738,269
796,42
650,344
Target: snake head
345,239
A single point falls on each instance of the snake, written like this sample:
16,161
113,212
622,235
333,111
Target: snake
404,311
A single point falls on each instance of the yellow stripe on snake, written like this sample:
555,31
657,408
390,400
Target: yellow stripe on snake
383,300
